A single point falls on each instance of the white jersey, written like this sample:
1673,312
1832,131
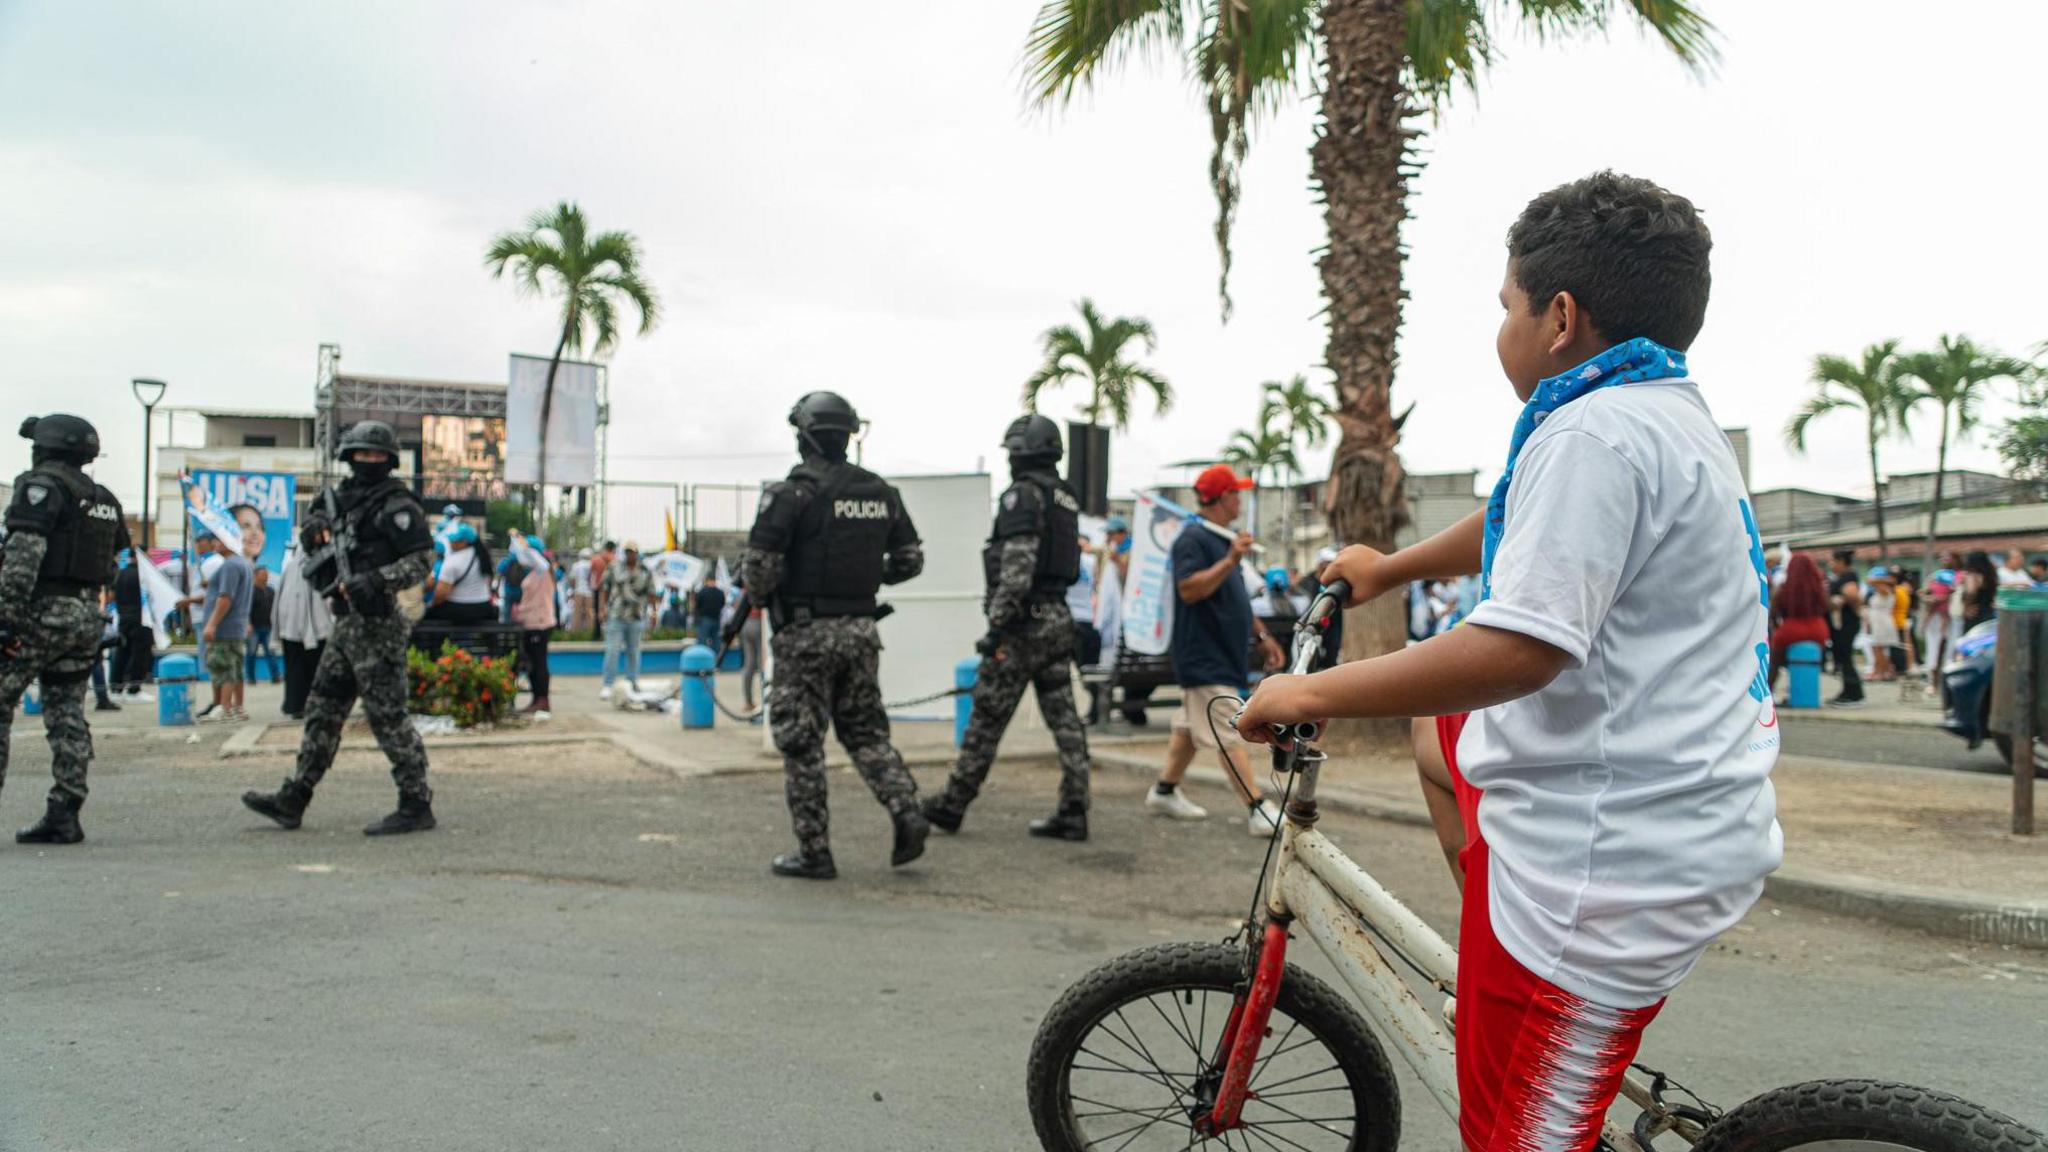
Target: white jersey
467,582
1627,806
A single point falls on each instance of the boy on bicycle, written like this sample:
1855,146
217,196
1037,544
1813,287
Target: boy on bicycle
1603,711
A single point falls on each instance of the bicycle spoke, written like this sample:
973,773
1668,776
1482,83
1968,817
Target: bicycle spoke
1133,1130
1112,1109
1156,1077
1279,1047
1303,1076
1261,1137
1178,1033
1282,1138
1201,1061
1344,1087
1298,1118
1164,1076
1119,1012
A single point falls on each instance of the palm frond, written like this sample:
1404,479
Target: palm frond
1071,41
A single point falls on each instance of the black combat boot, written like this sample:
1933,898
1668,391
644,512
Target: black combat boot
940,814
1065,824
805,866
286,805
911,829
413,815
59,825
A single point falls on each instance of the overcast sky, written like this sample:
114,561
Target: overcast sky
856,197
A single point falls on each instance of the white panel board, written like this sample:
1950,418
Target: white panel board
938,615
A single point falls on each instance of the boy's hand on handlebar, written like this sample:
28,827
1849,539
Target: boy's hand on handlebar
1276,701
1361,567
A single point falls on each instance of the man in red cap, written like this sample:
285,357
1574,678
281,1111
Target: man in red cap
1213,630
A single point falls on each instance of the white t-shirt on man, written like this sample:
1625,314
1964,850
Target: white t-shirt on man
1627,805
467,582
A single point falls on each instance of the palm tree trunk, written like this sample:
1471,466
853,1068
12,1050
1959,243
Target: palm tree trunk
547,406
1934,509
1360,162
1884,544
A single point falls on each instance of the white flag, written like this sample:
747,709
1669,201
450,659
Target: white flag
159,598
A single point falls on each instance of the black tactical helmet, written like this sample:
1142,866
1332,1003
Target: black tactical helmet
1034,438
71,437
374,435
824,412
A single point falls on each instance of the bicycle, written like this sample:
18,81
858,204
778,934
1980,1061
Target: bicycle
1234,1047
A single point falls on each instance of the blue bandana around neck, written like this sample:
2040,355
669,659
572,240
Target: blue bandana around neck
1639,359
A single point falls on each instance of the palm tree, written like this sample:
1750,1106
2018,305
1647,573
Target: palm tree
1305,413
555,253
1876,386
1096,357
1383,63
1259,452
1948,375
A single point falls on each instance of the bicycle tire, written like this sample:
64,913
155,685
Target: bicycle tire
1211,967
1846,1113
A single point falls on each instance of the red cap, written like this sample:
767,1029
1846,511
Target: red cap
1217,479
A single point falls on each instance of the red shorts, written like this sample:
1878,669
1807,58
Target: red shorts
1537,1066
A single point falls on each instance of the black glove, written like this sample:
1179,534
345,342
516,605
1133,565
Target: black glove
366,597
989,644
310,532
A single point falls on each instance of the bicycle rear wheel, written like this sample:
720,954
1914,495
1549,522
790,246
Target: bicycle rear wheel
1122,1062
1866,1116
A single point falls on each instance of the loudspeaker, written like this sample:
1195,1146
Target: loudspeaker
1088,466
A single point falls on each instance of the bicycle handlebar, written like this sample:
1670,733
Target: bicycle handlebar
1308,641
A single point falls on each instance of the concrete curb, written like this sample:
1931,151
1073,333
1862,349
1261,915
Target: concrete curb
1864,719
2020,923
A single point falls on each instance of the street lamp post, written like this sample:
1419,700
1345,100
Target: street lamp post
148,392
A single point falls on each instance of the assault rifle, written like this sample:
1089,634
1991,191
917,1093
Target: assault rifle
741,609
327,568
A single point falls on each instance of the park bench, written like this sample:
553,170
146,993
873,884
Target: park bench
493,640
1126,682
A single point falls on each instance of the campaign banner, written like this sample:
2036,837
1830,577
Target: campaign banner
1148,591
572,422
678,570
258,507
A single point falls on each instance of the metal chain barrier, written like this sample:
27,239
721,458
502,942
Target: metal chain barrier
748,718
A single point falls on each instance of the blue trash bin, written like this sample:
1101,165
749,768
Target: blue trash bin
31,702
965,673
1802,662
174,676
698,711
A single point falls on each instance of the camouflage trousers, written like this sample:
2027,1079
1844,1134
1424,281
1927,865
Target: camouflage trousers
59,640
364,657
825,673
1041,656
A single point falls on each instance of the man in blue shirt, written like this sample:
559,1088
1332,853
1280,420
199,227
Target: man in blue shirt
1213,631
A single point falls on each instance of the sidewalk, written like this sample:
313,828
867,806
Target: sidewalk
1909,703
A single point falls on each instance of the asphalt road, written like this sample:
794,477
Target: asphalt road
1892,744
590,956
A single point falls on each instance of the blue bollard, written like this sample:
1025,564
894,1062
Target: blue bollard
1802,661
31,702
965,673
174,676
698,710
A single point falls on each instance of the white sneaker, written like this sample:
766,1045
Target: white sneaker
1263,821
211,714
1174,804
604,693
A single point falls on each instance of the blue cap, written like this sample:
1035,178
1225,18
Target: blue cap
1879,573
1276,577
1116,524
463,533
1945,576
536,543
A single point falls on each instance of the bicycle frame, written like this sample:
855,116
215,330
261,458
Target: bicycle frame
1350,915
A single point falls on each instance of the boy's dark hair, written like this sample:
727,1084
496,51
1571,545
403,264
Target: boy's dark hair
1845,556
1631,253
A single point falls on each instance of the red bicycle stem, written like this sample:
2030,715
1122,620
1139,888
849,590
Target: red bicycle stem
1246,1030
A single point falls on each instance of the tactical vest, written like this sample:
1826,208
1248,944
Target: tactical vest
841,536
1058,528
373,537
82,544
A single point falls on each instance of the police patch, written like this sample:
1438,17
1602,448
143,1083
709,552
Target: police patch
35,493
403,519
767,502
1010,500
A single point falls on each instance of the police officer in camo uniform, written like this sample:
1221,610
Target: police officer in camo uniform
1033,555
383,533
63,532
824,541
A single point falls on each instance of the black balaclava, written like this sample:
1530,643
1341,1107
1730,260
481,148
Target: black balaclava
372,472
828,445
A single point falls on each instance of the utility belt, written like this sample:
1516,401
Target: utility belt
71,588
1041,608
795,613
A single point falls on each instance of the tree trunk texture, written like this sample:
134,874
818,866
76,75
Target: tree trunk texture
1927,565
1884,544
1360,162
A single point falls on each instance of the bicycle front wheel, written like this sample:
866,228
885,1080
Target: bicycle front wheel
1122,1062
1866,1116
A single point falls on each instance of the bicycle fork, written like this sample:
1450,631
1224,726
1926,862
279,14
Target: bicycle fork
1244,1032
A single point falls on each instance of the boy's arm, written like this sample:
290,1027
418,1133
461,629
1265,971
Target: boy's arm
1468,668
1455,551
1199,586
